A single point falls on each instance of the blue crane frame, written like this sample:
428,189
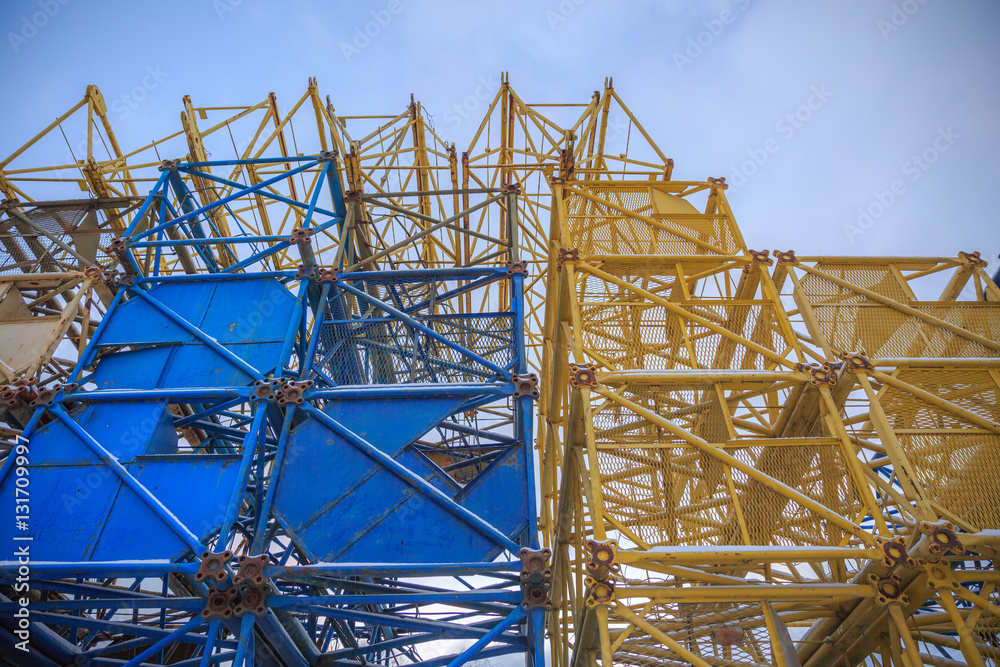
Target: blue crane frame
316,391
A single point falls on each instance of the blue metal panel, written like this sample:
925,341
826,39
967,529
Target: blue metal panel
391,424
344,506
193,487
69,505
83,511
126,429
498,493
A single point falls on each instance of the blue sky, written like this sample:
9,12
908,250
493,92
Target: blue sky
815,109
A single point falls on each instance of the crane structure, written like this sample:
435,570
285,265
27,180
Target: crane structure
313,389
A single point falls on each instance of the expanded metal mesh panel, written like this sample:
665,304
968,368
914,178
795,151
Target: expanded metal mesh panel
719,633
971,390
360,343
26,250
598,228
643,335
986,631
818,471
670,493
874,277
960,471
883,331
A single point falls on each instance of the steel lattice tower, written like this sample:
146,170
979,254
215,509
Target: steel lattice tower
280,407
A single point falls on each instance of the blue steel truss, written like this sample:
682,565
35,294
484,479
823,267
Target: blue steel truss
311,467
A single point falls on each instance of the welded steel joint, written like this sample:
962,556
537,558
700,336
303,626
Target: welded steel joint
525,385
536,578
971,259
786,257
719,183
327,156
510,188
292,392
825,374
758,257
602,564
169,165
218,604
213,566
888,590
857,361
304,271
251,571
583,375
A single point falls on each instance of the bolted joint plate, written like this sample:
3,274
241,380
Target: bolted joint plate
758,257
943,539
213,566
894,554
536,579
250,600
525,385
600,592
825,374
567,255
857,361
251,570
888,590
602,563
219,603
971,259
583,375
292,392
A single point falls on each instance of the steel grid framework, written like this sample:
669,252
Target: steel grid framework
743,459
